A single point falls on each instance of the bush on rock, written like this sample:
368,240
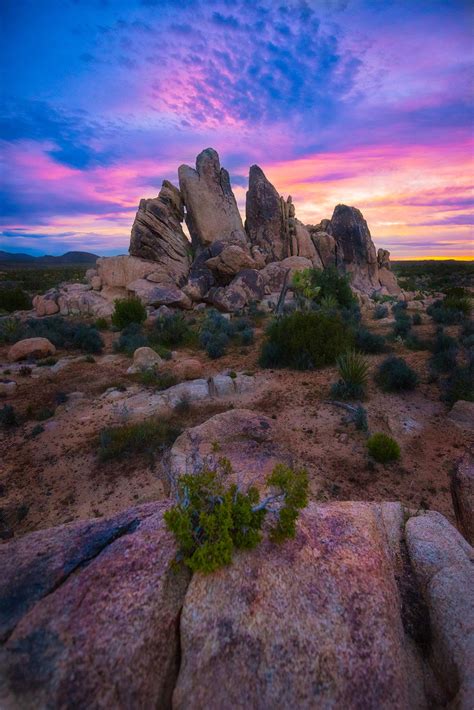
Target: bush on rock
127,311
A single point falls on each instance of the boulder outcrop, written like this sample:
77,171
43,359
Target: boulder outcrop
30,347
355,247
157,235
462,493
211,210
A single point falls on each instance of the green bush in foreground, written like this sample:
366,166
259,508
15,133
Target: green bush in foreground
395,375
140,438
305,340
383,448
127,311
210,519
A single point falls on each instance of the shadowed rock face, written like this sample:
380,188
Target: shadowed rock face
157,234
354,242
211,209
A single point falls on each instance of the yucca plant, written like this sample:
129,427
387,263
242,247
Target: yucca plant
353,371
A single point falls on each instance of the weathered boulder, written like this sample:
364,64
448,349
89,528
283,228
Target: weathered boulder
47,303
246,287
354,242
188,369
88,303
232,259
462,494
89,614
151,294
444,566
31,347
462,414
325,245
274,274
249,440
302,245
157,235
119,271
314,622
211,210
383,259
144,359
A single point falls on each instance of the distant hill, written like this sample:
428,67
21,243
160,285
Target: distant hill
69,258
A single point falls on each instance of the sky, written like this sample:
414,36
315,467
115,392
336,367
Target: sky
364,102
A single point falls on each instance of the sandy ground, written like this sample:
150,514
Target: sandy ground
55,477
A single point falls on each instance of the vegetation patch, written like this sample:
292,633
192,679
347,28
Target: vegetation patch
211,519
62,332
383,448
8,417
137,439
218,332
353,371
127,311
395,375
14,299
305,340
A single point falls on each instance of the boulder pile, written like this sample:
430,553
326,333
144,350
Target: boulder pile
225,263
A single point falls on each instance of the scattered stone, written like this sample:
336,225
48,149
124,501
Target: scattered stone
31,347
462,414
232,259
144,359
152,295
188,369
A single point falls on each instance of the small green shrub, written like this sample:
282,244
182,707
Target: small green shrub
217,332
459,384
127,311
211,519
8,417
416,319
102,324
131,338
383,448
157,380
14,299
10,330
171,331
394,375
402,325
47,362
44,413
353,372
380,312
360,419
305,340
454,308
369,343
413,342
62,332
142,438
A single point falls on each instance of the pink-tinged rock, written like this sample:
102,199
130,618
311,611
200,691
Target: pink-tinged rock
119,271
444,566
153,295
462,414
312,623
47,304
188,369
7,388
462,493
92,615
31,347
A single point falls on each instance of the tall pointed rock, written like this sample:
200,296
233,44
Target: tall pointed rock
354,243
211,209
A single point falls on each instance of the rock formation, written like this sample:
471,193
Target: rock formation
271,222
157,234
224,271
211,210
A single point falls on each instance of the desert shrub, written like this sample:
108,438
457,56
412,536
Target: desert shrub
394,375
90,359
459,384
383,448
8,417
63,333
156,380
368,342
402,325
10,330
212,519
351,314
87,339
416,319
305,340
183,406
127,311
217,332
44,413
142,438
14,299
444,349
60,397
102,324
25,371
131,338
454,308
171,330
360,419
380,312
353,373
458,299
325,286
47,361
399,307
413,342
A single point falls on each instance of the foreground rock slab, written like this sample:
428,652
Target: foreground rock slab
90,613
31,347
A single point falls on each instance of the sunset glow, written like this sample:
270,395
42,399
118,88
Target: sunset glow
353,101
